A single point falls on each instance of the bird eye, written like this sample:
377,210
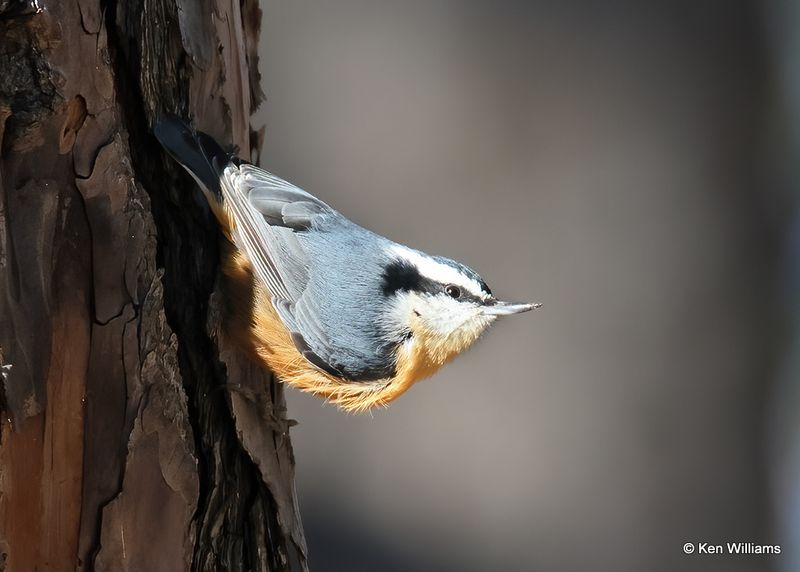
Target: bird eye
453,291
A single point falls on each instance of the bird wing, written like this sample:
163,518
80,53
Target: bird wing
280,202
270,216
268,213
266,218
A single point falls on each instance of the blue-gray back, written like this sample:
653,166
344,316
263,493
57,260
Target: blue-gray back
324,272
345,289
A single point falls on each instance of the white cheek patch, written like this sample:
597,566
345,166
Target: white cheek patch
442,273
444,315
440,314
396,320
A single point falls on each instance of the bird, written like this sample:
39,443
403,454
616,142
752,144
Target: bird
328,306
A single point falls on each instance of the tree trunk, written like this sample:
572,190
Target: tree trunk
134,435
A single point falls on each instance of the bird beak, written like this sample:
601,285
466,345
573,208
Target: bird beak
498,308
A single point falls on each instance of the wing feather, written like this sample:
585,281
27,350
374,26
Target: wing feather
270,214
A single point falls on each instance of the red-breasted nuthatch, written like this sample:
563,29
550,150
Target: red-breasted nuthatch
330,307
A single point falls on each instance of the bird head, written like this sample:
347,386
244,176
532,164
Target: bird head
440,303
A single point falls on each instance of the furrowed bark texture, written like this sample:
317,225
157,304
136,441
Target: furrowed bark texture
134,435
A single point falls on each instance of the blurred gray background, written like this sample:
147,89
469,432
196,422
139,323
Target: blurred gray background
628,164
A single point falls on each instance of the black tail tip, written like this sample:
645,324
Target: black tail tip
171,121
174,133
197,152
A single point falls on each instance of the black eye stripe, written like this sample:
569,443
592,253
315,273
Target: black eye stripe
404,276
401,275
464,295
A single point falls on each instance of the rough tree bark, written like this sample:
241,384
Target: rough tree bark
134,436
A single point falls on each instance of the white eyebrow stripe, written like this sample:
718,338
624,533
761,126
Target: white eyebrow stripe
437,271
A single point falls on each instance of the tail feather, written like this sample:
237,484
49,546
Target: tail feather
196,151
